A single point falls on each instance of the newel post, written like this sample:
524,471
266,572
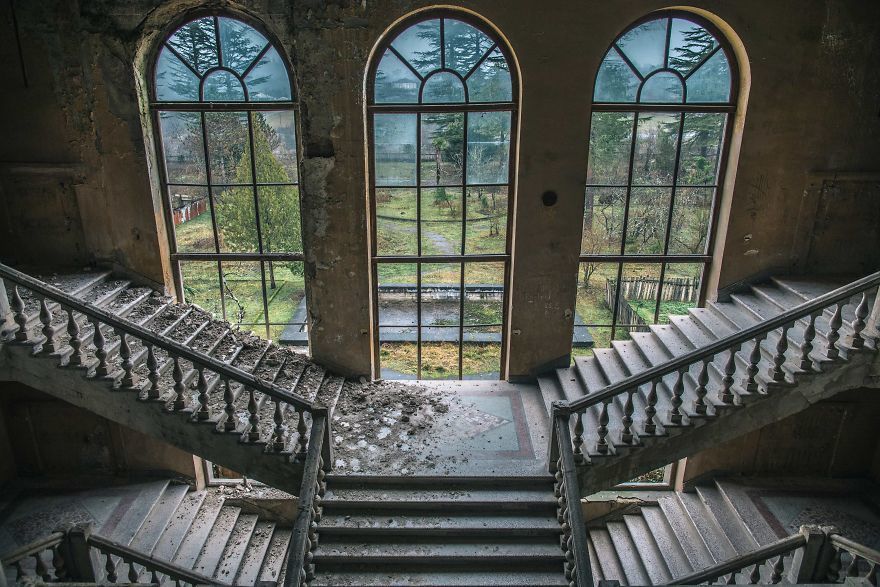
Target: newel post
806,563
80,563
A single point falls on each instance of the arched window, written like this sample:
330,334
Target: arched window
662,105
441,104
224,110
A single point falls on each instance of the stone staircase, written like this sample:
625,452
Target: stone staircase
648,426
438,531
230,540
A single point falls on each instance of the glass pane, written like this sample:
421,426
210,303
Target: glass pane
681,289
443,87
183,147
610,145
420,45
595,293
587,337
222,86
442,151
616,81
397,283
711,82
394,137
275,142
464,45
481,354
639,287
441,221
236,219
228,147
440,350
648,214
398,360
240,44
663,87
689,44
287,302
174,80
486,220
488,149
395,82
656,140
196,42
243,293
268,80
645,45
484,294
396,221
690,221
491,80
191,215
603,221
280,221
201,285
441,283
700,148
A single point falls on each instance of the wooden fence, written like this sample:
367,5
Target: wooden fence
675,289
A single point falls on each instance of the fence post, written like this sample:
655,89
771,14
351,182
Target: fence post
81,564
805,563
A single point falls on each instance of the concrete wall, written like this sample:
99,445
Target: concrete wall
50,438
812,106
834,438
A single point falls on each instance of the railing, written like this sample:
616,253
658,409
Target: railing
727,349
568,512
304,537
287,405
77,555
863,562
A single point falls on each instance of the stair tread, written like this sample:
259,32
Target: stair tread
133,519
612,570
686,533
198,532
235,548
252,562
590,374
180,522
396,497
438,578
209,557
628,554
440,523
727,518
692,331
442,548
276,556
146,538
570,384
670,548
647,548
717,542
745,508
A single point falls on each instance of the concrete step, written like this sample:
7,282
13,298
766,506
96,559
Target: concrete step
727,518
177,528
146,538
202,525
670,548
276,557
570,384
135,516
209,558
692,542
713,536
462,497
627,553
252,561
438,577
235,548
449,524
345,550
649,552
612,569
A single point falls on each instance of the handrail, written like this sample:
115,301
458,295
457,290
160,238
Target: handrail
576,550
128,555
35,547
300,541
738,563
721,345
854,548
121,324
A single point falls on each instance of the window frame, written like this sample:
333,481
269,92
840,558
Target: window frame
728,108
372,108
156,107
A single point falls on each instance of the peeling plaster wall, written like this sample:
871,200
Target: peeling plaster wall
813,107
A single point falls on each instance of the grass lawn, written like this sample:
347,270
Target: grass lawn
440,360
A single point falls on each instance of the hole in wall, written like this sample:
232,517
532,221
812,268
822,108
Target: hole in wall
549,198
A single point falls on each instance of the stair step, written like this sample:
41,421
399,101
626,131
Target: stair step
746,510
252,562
133,519
198,532
590,374
652,559
415,499
176,530
209,558
727,518
713,536
612,570
686,533
276,557
435,551
570,383
148,535
439,577
692,331
671,549
452,524
595,567
235,548
628,554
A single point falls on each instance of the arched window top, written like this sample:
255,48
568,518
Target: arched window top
442,61
671,59
220,59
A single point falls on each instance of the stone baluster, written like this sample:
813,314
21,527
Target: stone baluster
48,331
110,568
203,413
254,418
128,376
731,578
852,569
755,575
41,569
700,405
322,489
302,430
578,440
179,387
807,348
228,407
77,357
278,436
750,383
18,315
58,563
132,572
154,577
627,435
776,372
651,409
19,572
834,565
675,414
725,396
857,341
778,569
152,373
602,432
834,333
103,369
